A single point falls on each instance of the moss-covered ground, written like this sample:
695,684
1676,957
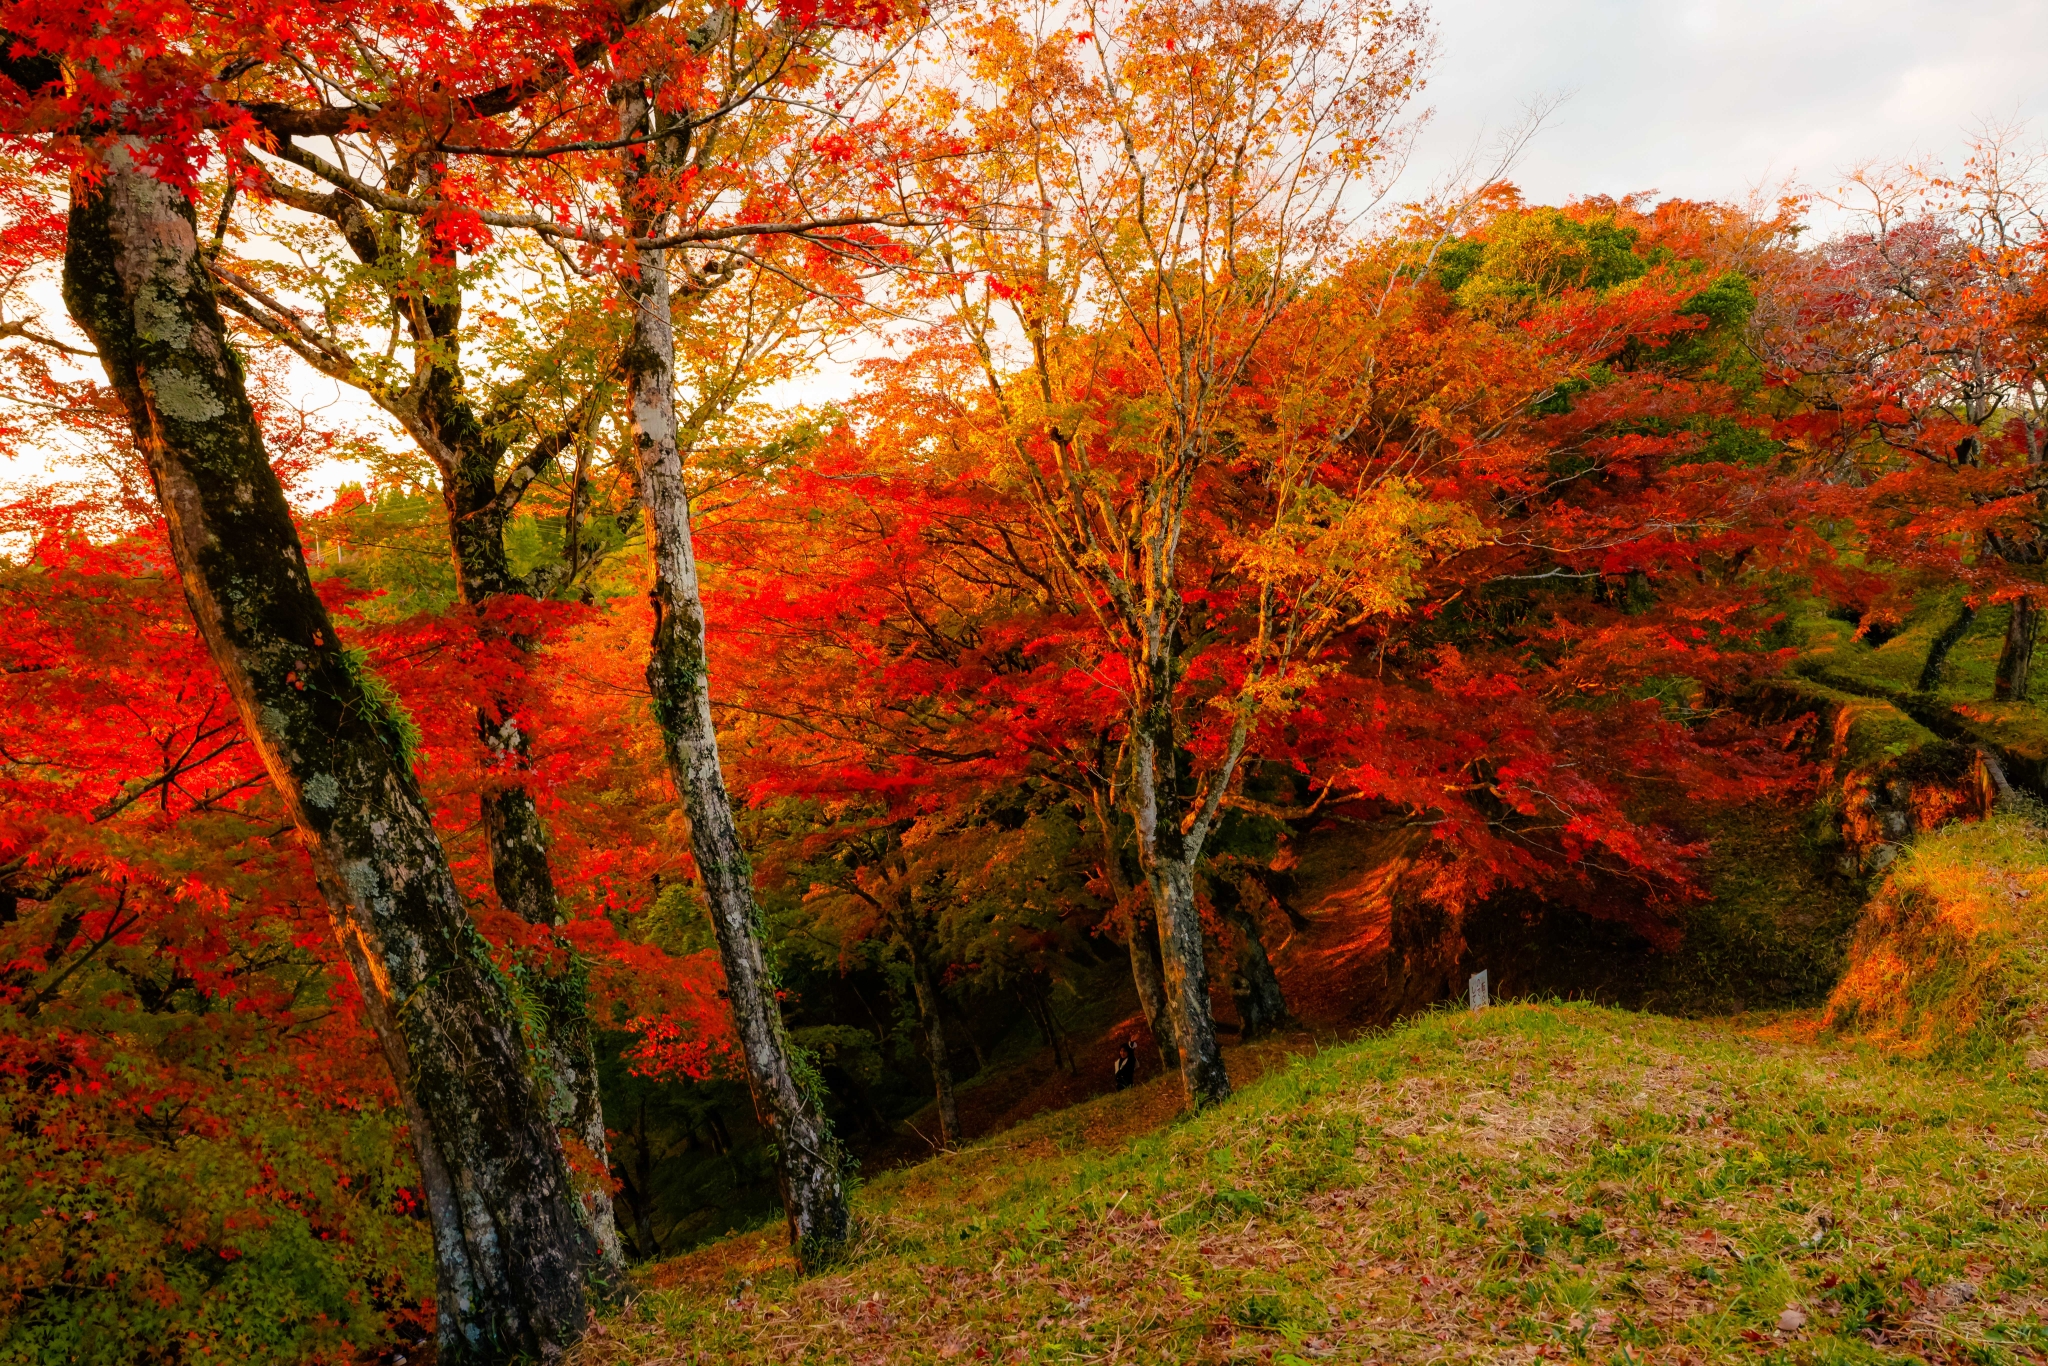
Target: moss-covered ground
1529,1182
1960,701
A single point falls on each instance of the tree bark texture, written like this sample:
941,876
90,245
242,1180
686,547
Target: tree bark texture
509,1249
477,504
1141,936
927,992
1170,878
2016,658
1261,1005
678,679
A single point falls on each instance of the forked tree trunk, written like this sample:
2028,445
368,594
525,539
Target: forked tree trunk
678,678
2016,659
1170,878
935,1044
509,1249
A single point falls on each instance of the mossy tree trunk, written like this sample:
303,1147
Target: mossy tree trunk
1169,858
481,486
509,1248
2016,657
678,679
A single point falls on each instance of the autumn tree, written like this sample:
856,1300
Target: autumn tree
1569,396
668,133
1904,342
1177,173
511,1274
510,1250
730,157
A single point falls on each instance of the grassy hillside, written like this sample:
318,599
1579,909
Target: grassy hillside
1564,1182
1959,705
1949,956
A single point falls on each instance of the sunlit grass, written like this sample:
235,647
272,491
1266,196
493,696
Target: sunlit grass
1948,960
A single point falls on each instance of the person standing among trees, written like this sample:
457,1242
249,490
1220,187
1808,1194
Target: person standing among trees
1126,1065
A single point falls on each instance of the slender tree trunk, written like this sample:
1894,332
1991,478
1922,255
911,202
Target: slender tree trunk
1141,936
1170,878
637,1186
934,1044
1036,999
477,507
515,837
678,678
1261,1005
974,1044
514,834
1938,650
1141,939
509,1247
2016,659
516,841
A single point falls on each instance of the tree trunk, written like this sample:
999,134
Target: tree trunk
1141,938
1261,1006
469,456
515,838
1035,997
1170,878
514,834
520,872
2016,659
1937,651
576,1109
679,681
967,1032
637,1186
1141,935
935,1045
509,1247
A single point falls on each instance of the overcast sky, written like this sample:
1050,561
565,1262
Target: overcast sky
1706,98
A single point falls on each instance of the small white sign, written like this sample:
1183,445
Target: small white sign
1475,990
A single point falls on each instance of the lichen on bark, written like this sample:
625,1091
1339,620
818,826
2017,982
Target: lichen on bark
509,1248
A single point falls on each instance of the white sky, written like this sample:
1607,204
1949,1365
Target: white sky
1706,98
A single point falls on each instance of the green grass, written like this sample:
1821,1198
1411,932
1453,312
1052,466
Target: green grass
1561,1182
1893,670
